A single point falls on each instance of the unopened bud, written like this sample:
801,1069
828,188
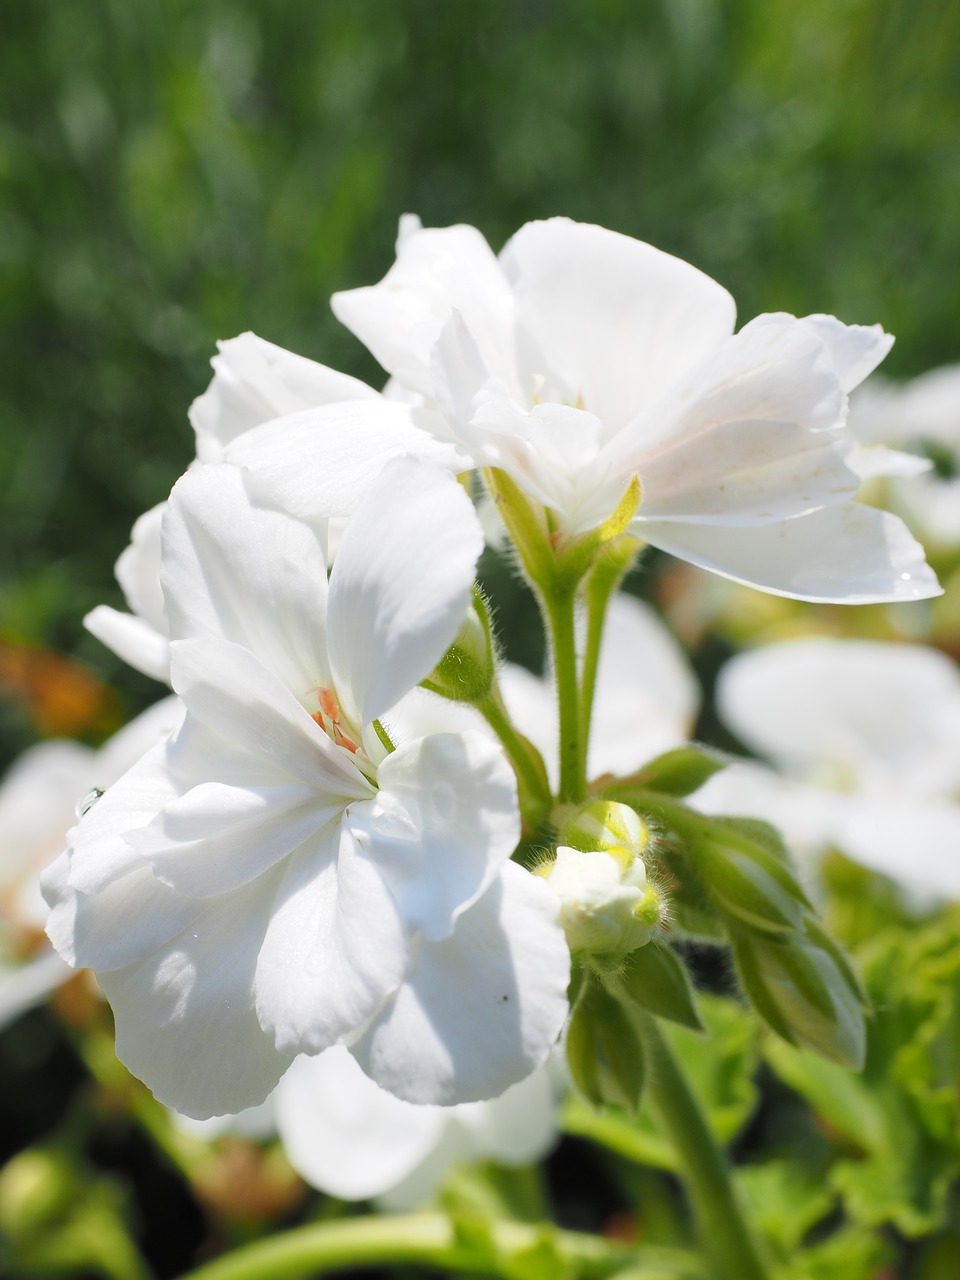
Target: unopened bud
466,671
610,827
36,1187
607,908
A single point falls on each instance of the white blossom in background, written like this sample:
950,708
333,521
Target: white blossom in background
275,879
39,798
346,1136
864,740
922,415
257,384
581,358
645,702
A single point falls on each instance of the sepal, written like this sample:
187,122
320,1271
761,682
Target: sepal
604,1052
467,670
679,772
656,979
804,989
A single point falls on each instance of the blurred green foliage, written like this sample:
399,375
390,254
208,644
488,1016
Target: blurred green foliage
174,172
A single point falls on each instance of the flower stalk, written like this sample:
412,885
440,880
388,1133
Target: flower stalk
725,1233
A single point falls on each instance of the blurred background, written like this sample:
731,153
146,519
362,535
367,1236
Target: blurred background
178,171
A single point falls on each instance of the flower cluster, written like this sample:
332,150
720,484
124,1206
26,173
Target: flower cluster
332,851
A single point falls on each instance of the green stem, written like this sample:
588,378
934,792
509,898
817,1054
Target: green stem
532,780
608,572
725,1233
560,605
431,1240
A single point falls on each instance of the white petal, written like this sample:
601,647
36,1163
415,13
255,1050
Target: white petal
855,349
255,381
217,836
400,586
869,460
806,816
186,1022
743,439
257,1124
345,1135
254,576
28,984
334,948
38,798
813,702
916,844
320,463
932,506
131,639
520,1126
480,1010
551,450
129,919
99,849
238,699
851,554
134,740
441,826
437,270
615,319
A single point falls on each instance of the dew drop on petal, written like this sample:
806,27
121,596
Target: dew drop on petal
88,801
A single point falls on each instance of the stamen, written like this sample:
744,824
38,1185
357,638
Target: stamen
329,717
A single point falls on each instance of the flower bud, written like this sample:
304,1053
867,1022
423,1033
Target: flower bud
607,907
466,671
36,1187
609,826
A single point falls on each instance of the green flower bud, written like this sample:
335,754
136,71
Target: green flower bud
609,826
36,1188
467,670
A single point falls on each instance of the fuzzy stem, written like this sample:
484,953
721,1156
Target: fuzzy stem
609,570
725,1234
560,606
532,781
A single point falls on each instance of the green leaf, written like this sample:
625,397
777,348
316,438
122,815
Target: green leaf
900,1174
785,1201
604,1052
680,771
655,978
849,1254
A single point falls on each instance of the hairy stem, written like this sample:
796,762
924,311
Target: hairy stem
560,605
725,1234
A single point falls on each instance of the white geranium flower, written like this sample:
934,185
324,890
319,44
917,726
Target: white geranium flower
581,358
346,1136
275,880
260,410
865,737
924,416
39,798
646,697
